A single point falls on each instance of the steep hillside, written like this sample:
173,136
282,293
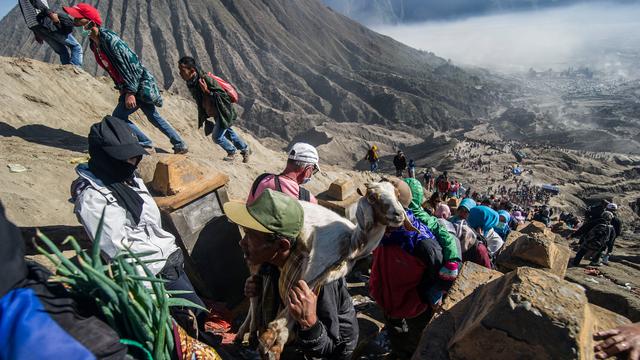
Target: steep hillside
296,64
45,114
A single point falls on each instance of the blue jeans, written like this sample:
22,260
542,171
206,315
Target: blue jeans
228,139
62,46
374,166
150,111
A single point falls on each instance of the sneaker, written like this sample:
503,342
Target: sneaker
180,150
245,155
596,264
605,259
229,157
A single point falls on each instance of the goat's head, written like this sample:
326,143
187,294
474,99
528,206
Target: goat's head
380,205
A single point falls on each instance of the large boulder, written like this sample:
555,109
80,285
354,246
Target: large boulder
535,250
526,314
535,227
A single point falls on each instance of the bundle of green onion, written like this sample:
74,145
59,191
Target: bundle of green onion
133,310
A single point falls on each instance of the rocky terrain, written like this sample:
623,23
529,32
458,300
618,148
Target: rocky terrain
43,127
296,64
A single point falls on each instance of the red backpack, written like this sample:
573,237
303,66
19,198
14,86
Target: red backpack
228,88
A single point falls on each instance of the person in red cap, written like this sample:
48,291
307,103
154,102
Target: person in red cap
138,88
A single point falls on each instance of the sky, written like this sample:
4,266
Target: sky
6,6
600,35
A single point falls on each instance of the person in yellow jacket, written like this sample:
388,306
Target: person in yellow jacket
373,158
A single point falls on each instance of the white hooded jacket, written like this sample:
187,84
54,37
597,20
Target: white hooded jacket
119,232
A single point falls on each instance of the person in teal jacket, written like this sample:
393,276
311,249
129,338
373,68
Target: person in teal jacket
447,241
138,88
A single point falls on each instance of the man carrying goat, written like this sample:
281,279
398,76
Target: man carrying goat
326,325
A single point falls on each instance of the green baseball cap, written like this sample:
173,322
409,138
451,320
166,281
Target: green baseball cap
272,212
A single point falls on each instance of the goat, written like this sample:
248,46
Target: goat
334,244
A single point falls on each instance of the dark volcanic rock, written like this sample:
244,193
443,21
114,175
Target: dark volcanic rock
296,64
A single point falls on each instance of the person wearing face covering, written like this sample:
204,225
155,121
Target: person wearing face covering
38,318
108,185
483,219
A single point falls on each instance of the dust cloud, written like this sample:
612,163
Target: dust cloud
603,36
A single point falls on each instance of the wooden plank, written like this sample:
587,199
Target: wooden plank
171,203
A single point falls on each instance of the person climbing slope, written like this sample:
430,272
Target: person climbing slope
213,102
56,29
138,88
373,158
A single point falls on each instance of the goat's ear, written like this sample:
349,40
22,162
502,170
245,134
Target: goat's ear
408,225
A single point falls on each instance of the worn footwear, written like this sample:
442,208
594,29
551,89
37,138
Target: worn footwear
245,155
598,263
229,157
181,151
605,259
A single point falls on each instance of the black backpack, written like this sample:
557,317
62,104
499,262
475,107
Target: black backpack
597,237
303,194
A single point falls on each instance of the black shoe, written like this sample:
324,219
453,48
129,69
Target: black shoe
181,151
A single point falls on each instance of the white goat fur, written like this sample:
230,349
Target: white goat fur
335,245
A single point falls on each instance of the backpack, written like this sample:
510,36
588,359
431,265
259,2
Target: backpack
597,237
228,88
303,194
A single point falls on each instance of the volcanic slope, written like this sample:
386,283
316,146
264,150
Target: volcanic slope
296,64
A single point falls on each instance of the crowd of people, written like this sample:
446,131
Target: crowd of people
448,223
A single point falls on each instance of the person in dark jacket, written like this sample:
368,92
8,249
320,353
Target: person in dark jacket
326,324
213,102
594,240
617,228
53,28
400,163
38,318
138,88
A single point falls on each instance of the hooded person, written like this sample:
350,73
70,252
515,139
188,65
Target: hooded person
445,239
594,241
443,211
462,212
503,224
408,300
38,318
483,219
109,188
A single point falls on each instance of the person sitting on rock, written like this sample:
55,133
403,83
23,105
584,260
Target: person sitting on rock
213,102
400,163
408,301
109,189
56,29
326,324
624,339
482,219
138,88
503,228
302,164
594,241
462,212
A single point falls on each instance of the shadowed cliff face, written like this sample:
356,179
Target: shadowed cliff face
296,64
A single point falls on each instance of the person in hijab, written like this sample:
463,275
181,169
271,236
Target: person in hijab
503,224
38,318
443,211
462,212
108,187
482,219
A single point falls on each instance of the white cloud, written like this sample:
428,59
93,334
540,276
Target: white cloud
589,34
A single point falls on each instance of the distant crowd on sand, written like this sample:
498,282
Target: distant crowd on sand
433,225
